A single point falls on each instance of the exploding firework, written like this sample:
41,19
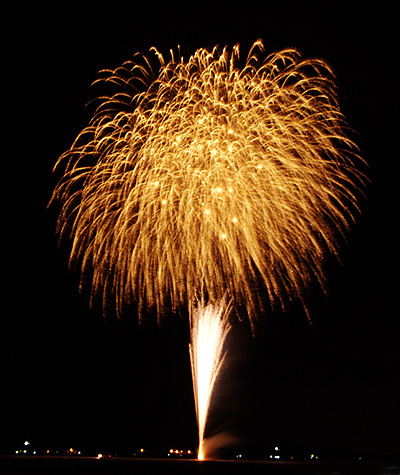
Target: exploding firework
209,327
198,176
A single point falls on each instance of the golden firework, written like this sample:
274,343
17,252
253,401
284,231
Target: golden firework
198,176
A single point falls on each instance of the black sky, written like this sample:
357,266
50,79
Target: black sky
68,378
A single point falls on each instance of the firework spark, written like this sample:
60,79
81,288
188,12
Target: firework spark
209,327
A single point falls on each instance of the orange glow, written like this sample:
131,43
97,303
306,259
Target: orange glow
200,455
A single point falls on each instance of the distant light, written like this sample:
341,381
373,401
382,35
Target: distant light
277,449
277,457
99,456
141,450
27,443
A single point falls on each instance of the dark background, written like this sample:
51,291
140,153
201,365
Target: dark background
68,378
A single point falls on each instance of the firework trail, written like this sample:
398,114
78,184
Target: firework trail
201,176
209,327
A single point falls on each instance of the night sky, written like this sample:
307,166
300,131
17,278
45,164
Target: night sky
69,379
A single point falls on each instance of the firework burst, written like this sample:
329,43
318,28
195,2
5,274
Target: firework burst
198,176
